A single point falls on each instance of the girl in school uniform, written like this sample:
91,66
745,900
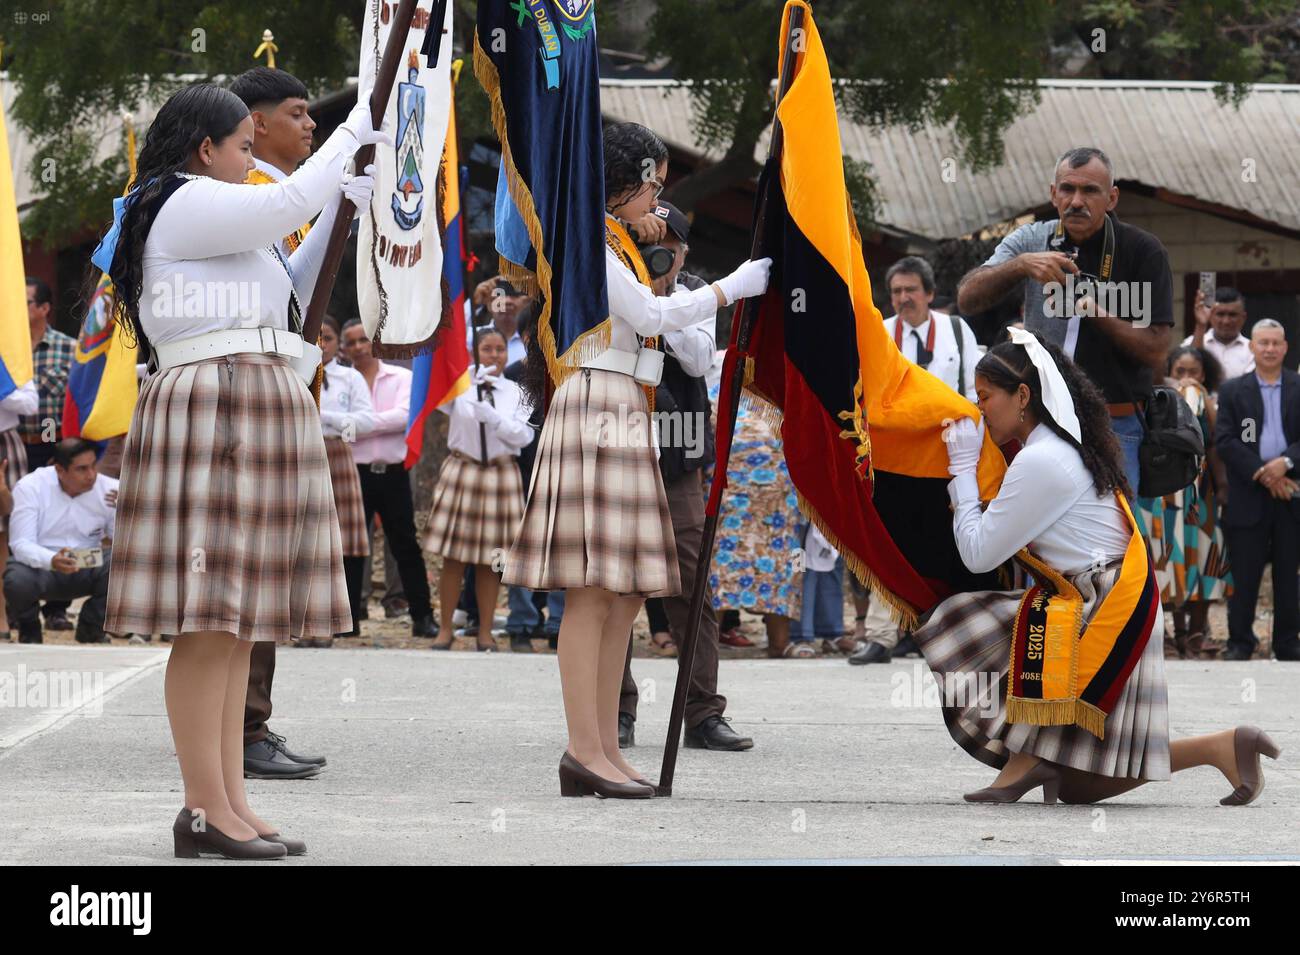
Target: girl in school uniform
479,500
345,415
226,530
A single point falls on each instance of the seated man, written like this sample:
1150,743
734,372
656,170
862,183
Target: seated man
60,533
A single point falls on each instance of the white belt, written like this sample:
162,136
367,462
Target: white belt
614,359
260,340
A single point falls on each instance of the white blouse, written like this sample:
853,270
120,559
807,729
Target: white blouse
209,260
509,436
345,408
1047,501
635,310
24,399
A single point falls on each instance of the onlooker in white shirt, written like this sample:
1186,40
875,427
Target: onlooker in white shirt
61,533
926,337
1218,331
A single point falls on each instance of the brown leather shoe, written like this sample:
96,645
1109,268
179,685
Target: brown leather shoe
190,843
577,780
1248,742
296,847
1043,774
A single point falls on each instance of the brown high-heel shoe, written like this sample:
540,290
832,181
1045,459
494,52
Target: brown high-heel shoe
1248,742
296,847
577,780
1043,774
190,844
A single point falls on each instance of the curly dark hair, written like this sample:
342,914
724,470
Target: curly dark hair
1007,366
189,116
628,148
1211,370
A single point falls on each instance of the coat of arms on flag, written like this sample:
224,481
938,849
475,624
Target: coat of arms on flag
399,252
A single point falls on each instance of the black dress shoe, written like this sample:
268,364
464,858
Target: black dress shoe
1287,654
716,733
88,636
277,741
30,634
296,847
263,760
426,626
191,841
626,730
520,643
871,653
906,647
59,621
1235,651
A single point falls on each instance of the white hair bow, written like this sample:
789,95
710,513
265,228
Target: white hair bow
1056,396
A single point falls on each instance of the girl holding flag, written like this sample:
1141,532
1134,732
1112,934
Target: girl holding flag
226,531
597,523
1077,703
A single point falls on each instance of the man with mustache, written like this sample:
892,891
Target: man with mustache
1119,336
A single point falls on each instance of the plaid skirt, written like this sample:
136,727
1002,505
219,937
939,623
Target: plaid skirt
476,509
967,640
347,498
14,452
597,515
226,515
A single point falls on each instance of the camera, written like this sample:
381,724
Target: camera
658,259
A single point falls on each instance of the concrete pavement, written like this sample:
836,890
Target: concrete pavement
450,758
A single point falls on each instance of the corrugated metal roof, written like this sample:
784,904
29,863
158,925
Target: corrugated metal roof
1175,136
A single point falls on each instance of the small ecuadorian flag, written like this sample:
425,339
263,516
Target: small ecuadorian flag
102,382
443,374
862,426
15,333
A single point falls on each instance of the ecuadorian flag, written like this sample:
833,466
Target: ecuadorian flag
102,382
862,426
443,374
15,333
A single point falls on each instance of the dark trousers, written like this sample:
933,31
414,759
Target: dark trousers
389,495
25,587
257,705
353,568
1275,539
686,505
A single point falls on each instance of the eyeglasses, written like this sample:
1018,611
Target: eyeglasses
659,187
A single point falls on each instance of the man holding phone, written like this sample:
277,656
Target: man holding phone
61,533
1220,317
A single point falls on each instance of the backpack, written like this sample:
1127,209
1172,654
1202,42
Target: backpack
1172,446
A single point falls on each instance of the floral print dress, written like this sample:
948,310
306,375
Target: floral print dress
755,564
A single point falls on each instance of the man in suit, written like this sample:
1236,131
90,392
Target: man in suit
1258,438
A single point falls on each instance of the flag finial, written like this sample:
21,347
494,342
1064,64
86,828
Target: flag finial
268,47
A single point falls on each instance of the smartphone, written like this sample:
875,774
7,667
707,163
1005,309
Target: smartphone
1207,288
88,556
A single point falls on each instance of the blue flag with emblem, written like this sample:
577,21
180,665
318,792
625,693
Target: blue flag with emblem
537,59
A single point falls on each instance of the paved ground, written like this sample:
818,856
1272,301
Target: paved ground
451,758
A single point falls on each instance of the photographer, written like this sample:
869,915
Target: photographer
661,236
60,533
496,304
1099,289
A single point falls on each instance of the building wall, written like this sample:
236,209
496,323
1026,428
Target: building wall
1197,242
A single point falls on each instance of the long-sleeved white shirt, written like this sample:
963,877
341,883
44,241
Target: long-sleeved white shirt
946,363
46,519
509,435
209,260
694,345
1048,503
345,408
634,309
23,400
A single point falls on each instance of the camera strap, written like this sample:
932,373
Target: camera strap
1107,246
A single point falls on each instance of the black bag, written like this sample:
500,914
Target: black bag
1172,447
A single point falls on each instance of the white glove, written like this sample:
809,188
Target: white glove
360,124
484,376
749,280
485,413
359,189
964,441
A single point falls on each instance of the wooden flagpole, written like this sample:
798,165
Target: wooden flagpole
338,237
686,655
